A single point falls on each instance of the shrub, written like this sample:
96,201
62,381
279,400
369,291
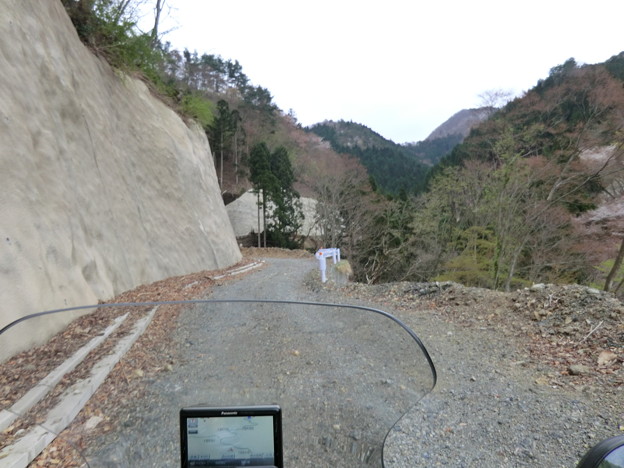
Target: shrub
199,108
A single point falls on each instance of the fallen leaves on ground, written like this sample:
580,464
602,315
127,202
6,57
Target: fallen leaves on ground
20,373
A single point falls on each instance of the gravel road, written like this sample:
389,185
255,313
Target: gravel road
342,376
486,411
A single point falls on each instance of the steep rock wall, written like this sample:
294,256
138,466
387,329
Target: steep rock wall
103,187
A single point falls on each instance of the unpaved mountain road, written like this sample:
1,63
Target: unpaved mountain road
497,402
342,376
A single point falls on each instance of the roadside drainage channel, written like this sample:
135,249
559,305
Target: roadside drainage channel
38,437
39,391
238,271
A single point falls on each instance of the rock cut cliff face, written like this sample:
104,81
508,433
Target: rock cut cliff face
103,187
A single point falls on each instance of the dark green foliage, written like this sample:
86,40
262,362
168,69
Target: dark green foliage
81,14
557,75
392,169
392,166
282,169
212,73
226,136
271,174
432,151
259,97
260,173
474,266
221,127
350,134
615,66
286,216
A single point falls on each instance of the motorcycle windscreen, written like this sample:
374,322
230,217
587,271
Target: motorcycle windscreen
342,376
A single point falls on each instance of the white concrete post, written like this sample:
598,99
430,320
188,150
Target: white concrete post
321,254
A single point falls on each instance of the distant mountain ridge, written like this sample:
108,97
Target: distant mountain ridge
461,123
350,135
393,166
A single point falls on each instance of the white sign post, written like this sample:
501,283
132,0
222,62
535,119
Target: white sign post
321,255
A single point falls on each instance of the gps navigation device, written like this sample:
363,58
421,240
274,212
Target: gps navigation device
231,436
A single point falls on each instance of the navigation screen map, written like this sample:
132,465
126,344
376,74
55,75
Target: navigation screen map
231,441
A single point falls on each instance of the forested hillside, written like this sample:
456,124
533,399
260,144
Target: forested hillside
391,166
431,150
238,115
515,203
398,168
533,193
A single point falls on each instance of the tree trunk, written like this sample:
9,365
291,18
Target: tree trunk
616,267
160,4
221,166
264,228
258,205
513,264
236,155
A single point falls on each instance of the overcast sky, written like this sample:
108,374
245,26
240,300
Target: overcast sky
400,67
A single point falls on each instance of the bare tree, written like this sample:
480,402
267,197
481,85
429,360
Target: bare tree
158,8
493,99
342,212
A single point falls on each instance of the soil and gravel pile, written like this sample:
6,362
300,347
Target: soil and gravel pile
527,378
576,329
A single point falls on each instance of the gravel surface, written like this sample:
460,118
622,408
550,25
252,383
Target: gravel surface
522,378
342,376
502,399
489,410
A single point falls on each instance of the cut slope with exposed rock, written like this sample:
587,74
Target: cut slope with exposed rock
104,187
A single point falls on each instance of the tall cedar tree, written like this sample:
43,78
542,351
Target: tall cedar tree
286,216
221,132
262,180
272,177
